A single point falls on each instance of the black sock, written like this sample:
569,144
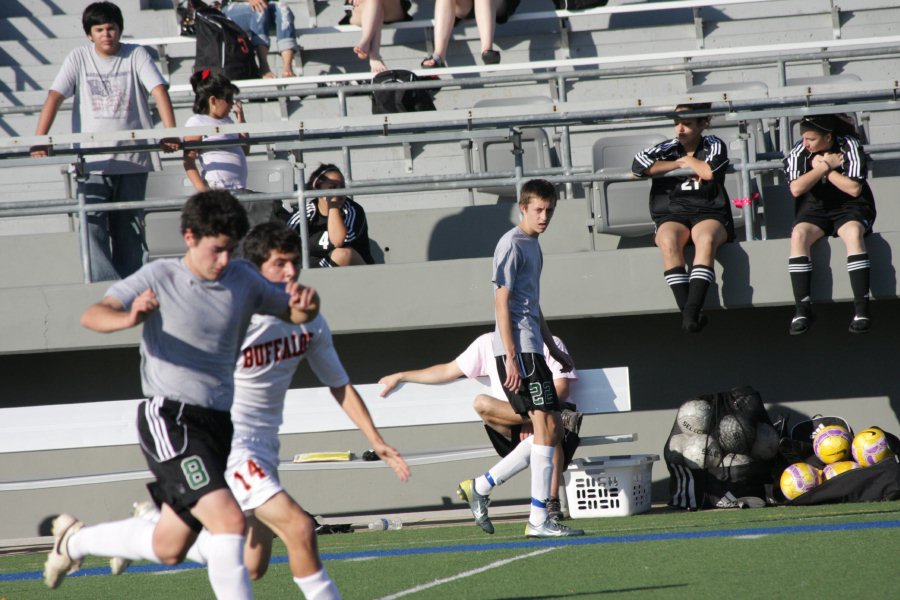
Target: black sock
677,278
800,269
858,268
701,277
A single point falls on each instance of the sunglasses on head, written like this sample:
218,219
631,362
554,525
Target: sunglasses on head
328,184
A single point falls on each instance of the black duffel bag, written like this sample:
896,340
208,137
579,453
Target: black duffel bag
392,99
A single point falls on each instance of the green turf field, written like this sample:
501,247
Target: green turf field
823,552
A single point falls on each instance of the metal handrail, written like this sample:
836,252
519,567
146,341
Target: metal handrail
378,131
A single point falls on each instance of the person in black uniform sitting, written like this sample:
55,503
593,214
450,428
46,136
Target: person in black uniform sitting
689,209
827,172
337,227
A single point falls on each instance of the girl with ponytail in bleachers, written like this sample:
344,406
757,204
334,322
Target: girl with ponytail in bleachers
222,168
689,209
827,173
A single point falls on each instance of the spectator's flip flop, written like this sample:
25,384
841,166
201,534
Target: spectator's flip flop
437,60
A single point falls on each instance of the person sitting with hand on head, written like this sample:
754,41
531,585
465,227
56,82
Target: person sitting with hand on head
827,172
337,227
689,209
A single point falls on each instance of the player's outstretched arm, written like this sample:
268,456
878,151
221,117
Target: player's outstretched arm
110,314
443,373
355,408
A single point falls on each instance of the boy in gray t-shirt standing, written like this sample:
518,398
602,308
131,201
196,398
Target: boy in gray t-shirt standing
110,82
195,312
518,349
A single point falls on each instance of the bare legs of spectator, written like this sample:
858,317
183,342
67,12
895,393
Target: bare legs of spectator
346,257
485,19
371,16
445,14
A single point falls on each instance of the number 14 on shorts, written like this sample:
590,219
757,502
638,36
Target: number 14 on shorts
248,473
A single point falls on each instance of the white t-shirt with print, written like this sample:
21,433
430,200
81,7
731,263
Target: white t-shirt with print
110,94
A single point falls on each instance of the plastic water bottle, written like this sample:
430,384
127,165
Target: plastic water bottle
385,523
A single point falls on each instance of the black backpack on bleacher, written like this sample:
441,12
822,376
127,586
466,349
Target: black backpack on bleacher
222,46
390,99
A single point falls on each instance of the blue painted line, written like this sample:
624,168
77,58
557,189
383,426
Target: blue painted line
524,544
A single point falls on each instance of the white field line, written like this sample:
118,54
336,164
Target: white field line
465,574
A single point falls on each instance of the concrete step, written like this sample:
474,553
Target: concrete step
37,30
42,8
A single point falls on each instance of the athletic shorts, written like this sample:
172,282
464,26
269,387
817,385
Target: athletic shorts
186,448
830,220
691,219
252,472
536,391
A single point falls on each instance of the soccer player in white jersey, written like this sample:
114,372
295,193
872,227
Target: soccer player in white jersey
270,353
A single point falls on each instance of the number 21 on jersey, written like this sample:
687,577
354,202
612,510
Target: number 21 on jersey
691,184
249,472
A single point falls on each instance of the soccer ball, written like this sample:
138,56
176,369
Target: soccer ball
765,446
835,469
798,479
694,416
870,446
699,450
732,464
676,447
736,434
831,443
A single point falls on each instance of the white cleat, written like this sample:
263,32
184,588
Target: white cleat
551,529
59,563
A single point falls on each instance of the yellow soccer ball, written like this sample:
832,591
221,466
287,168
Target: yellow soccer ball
831,444
835,469
798,479
870,446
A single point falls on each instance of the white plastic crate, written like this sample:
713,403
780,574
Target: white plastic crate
609,486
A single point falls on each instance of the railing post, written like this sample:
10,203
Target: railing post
517,157
301,206
748,207
83,228
565,137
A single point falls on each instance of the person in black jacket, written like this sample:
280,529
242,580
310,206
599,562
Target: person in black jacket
827,172
689,209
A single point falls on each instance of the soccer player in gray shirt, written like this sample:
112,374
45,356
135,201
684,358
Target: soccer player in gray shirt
518,349
195,311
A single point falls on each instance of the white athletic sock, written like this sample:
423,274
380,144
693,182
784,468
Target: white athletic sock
541,473
198,553
511,464
227,575
318,586
131,539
